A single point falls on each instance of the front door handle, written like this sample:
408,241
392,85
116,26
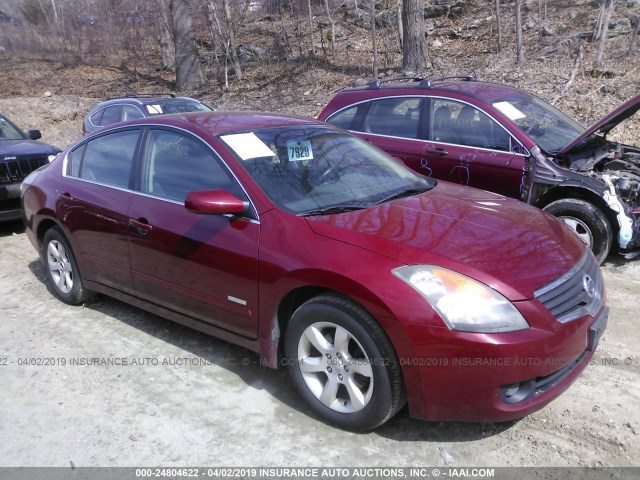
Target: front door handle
140,226
437,151
65,199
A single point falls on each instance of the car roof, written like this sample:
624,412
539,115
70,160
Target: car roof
485,91
220,122
145,100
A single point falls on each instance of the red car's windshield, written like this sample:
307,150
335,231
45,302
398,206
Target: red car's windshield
310,169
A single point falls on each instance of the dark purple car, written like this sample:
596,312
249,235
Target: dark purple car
507,141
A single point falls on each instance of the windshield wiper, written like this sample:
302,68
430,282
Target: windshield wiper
407,192
330,210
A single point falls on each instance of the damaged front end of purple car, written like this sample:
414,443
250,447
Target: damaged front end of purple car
615,166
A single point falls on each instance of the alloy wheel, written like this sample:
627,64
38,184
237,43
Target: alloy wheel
60,266
335,367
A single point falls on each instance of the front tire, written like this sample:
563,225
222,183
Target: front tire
342,363
65,281
587,221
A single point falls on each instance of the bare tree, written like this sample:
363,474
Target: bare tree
597,30
56,16
542,9
498,27
233,47
224,35
519,46
635,22
374,43
189,72
576,66
167,46
313,47
414,53
605,16
332,23
400,26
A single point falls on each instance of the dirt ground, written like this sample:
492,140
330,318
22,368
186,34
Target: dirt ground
187,399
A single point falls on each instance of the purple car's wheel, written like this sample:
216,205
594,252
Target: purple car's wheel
587,221
62,270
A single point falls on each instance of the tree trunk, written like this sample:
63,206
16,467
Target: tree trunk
189,72
56,18
597,31
519,47
232,40
576,67
313,47
333,25
604,31
167,45
400,26
414,54
635,22
374,44
498,27
542,9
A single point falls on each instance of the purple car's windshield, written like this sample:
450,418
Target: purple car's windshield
176,106
547,126
314,170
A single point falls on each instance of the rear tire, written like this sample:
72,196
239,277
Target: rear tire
65,281
587,221
342,363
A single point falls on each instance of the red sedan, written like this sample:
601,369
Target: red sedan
373,285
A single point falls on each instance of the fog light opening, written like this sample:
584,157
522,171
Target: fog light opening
516,392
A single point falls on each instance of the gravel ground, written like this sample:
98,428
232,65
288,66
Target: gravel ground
183,398
187,399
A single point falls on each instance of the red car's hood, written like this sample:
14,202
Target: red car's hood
608,123
506,244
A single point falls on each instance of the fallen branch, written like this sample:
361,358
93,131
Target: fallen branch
576,66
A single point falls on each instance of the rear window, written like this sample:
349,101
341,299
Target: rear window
106,159
345,118
395,117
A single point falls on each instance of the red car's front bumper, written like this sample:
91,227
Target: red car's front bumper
493,377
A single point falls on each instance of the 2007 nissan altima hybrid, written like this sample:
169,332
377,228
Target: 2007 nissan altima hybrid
374,286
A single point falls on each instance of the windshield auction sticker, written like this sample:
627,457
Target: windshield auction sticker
247,145
299,150
509,110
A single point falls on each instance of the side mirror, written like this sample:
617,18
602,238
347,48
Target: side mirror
215,202
34,134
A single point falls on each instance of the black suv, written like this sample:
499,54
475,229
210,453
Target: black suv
20,155
139,106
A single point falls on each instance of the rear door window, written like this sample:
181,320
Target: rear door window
111,115
74,158
108,159
130,112
96,118
395,117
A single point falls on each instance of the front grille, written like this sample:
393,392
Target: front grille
576,293
13,171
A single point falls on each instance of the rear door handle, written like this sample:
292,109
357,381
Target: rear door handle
436,151
140,226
